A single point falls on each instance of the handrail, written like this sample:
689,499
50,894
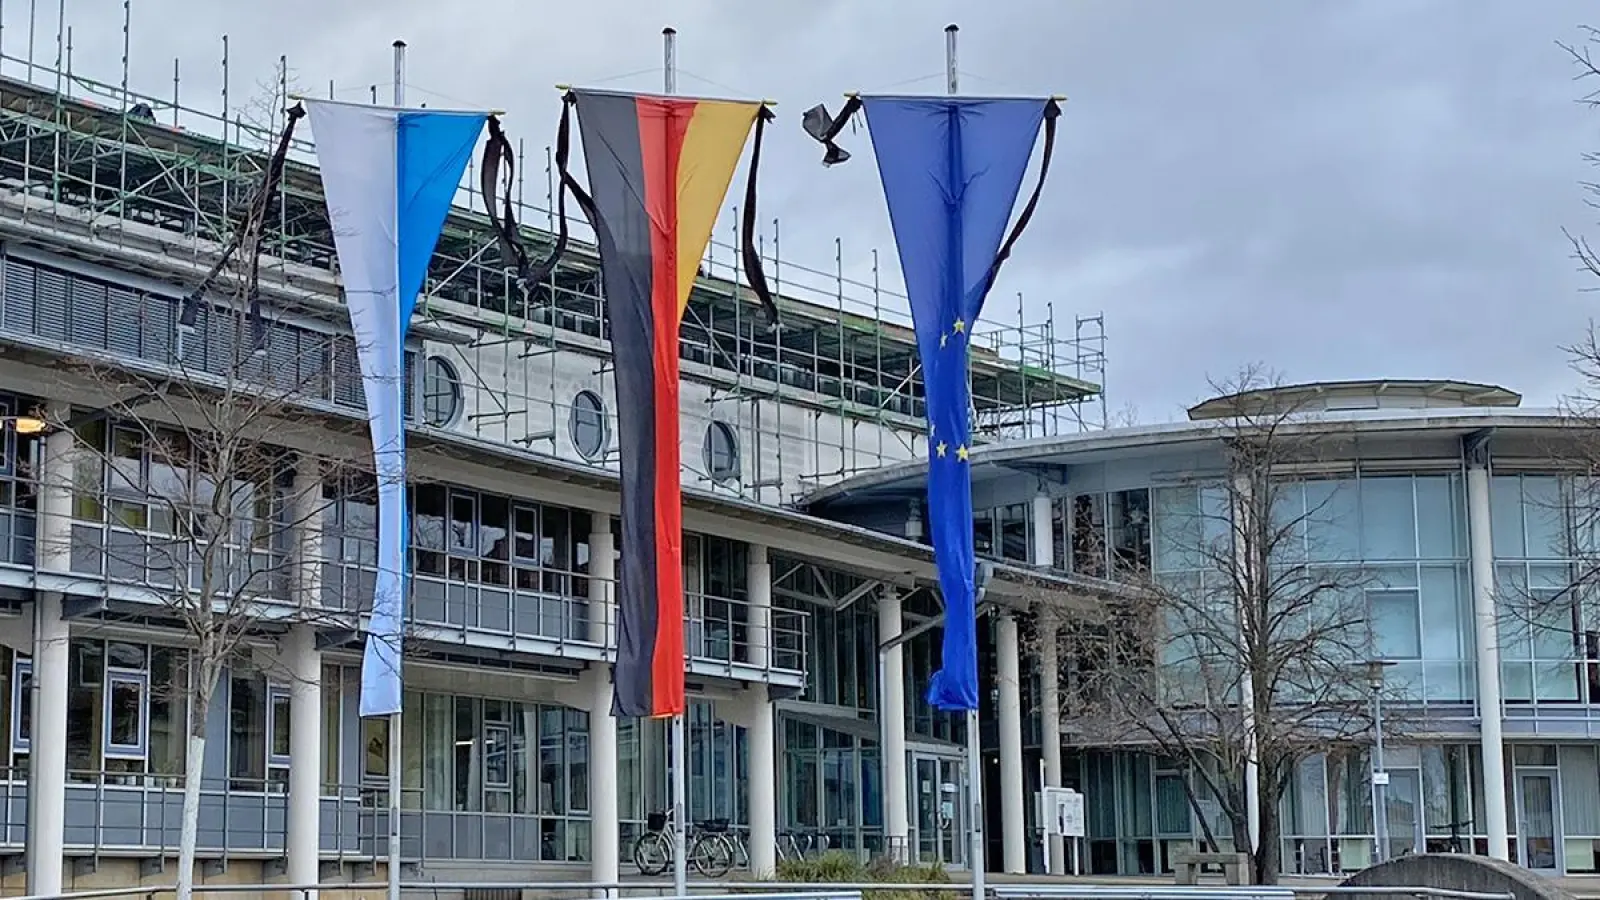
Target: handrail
769,890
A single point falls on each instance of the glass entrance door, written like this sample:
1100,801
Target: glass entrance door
936,796
1538,834
1403,797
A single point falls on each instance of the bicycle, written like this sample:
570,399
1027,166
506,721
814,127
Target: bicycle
711,851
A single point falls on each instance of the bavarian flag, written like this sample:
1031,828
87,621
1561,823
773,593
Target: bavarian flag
659,168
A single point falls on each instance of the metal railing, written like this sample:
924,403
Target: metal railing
795,891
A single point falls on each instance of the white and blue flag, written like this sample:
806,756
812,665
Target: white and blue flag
389,176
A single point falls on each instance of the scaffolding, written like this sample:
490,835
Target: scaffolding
834,392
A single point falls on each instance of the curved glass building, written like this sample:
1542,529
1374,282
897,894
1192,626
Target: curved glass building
1469,520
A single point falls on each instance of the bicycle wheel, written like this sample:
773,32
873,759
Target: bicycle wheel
652,853
712,855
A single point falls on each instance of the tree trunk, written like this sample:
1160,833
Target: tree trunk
1266,861
193,764
193,773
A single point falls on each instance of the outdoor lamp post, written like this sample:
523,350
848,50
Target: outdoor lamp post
1380,776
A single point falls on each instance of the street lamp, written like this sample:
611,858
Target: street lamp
1380,776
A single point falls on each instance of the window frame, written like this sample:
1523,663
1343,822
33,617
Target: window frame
21,666
140,750
589,403
436,370
1415,595
275,692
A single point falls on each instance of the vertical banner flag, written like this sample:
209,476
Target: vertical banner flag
659,168
388,176
951,169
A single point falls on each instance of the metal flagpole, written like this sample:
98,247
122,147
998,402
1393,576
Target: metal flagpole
394,719
680,748
974,747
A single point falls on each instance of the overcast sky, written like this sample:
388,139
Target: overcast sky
1336,188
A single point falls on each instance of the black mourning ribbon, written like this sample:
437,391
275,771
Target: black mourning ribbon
825,130
567,184
497,201
253,228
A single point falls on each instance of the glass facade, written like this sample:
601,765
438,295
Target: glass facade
1406,532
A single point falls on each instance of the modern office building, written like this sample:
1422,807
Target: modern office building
1468,517
810,613
112,208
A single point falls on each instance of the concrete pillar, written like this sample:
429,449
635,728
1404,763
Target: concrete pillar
1486,637
1013,823
303,826
892,727
1050,719
605,826
602,582
605,830
47,759
1042,512
763,727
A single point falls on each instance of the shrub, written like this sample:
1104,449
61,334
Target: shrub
841,867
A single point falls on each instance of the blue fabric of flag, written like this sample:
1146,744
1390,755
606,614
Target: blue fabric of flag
951,169
389,176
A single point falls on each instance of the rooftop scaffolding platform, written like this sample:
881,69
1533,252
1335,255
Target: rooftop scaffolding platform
131,168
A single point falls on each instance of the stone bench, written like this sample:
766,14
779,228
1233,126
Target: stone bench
1186,866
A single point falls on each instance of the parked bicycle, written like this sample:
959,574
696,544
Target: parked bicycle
711,850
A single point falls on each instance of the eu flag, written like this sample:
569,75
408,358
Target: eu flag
951,169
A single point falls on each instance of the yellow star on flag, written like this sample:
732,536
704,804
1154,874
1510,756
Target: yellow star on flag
944,339
961,452
960,325
942,447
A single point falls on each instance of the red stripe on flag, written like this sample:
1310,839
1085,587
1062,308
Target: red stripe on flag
662,126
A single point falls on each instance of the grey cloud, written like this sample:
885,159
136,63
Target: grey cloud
1362,188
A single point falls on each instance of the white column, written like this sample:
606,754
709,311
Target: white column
763,734
605,827
303,826
303,838
1044,539
892,727
602,581
1013,827
1486,636
1050,720
47,761
1042,512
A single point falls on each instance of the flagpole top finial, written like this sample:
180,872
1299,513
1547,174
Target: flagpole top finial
952,28
669,30
497,112
399,44
298,97
563,88
1059,98
851,95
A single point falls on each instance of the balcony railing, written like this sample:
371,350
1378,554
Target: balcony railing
142,815
541,610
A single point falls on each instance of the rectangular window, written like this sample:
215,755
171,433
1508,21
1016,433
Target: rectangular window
127,714
21,704
278,718
375,748
497,757
1396,624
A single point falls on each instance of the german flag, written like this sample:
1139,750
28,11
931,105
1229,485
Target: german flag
659,168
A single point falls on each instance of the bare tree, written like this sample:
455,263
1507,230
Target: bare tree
202,476
1246,654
